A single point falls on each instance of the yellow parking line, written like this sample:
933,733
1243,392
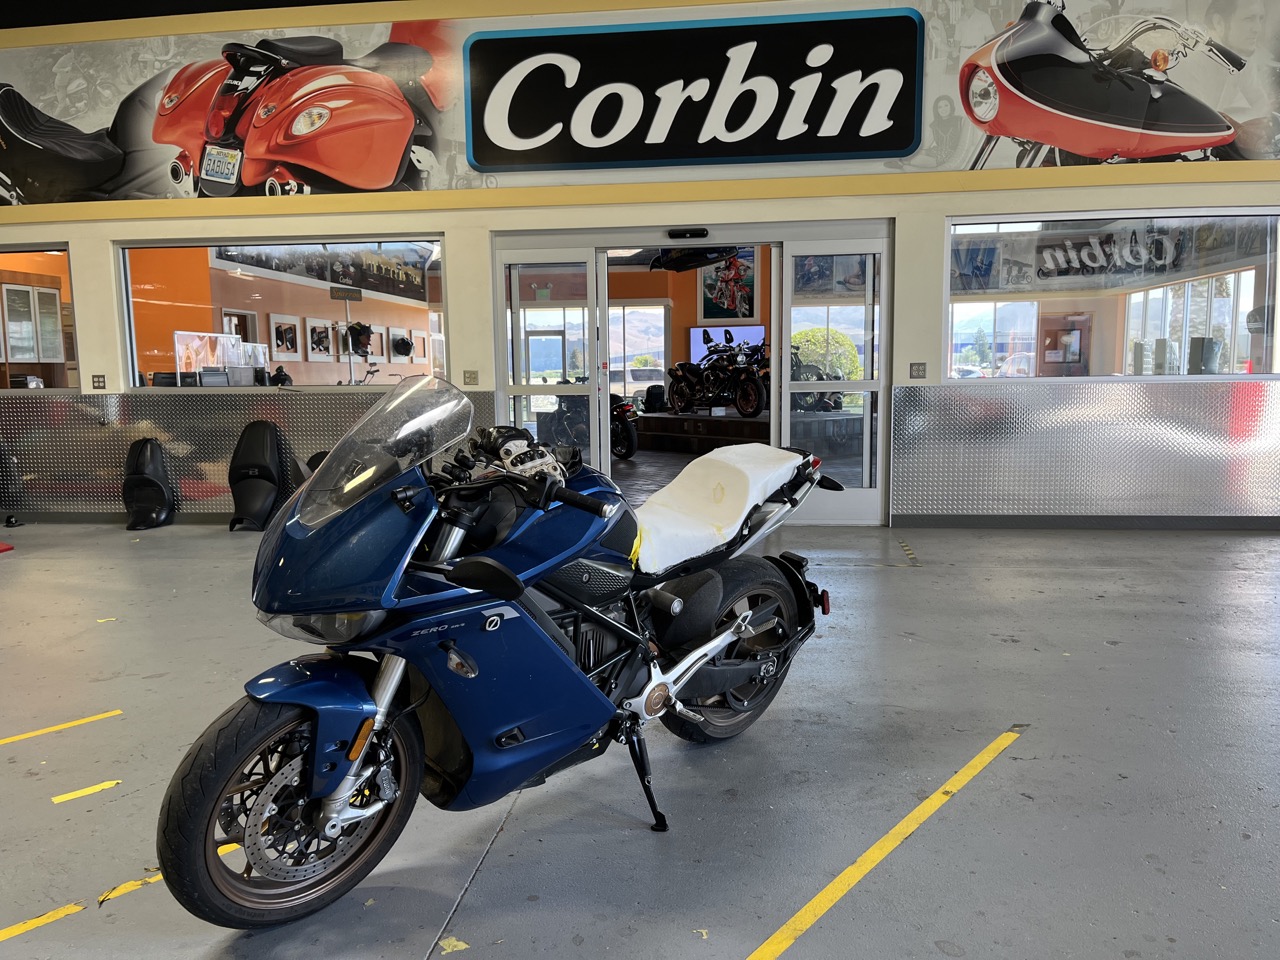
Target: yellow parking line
52,915
827,898
77,794
61,726
70,908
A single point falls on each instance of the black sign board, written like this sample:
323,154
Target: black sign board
809,87
345,293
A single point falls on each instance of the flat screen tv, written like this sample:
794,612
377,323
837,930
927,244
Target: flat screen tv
741,334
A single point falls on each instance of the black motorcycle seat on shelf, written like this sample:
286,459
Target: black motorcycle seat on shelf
147,492
402,62
57,153
304,51
254,475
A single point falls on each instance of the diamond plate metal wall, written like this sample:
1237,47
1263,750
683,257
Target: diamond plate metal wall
62,453
1080,449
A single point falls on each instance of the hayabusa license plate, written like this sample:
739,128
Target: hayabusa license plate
220,164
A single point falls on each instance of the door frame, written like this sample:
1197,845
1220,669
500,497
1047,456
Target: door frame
867,506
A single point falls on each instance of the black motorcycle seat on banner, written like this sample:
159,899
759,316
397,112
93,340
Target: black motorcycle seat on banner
304,51
147,492
254,475
402,62
62,157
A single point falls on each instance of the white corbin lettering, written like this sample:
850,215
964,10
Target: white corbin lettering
671,98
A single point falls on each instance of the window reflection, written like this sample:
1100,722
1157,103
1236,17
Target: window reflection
279,314
1126,297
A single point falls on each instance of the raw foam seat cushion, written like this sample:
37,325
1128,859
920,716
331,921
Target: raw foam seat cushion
705,505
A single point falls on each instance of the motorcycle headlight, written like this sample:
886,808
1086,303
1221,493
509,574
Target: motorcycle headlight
310,120
325,628
984,96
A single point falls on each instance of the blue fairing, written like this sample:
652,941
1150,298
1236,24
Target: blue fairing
340,700
359,560
524,681
353,562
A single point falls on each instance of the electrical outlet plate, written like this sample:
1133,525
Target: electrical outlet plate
918,371
470,378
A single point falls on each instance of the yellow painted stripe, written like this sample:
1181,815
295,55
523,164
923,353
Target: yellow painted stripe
812,911
129,887
77,794
20,928
61,726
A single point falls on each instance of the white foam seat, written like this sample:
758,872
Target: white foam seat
705,505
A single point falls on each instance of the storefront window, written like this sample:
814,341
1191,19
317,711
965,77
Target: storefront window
37,324
1158,296
259,315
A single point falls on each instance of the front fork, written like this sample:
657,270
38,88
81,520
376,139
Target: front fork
336,811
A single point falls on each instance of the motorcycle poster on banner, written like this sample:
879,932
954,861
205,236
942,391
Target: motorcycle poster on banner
793,91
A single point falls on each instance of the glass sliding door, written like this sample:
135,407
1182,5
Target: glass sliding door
831,366
549,370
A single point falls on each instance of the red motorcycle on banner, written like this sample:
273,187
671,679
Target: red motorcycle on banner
292,116
1062,103
285,116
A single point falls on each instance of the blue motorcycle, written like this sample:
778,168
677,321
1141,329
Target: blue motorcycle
489,621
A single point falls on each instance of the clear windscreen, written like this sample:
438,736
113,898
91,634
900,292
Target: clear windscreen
420,418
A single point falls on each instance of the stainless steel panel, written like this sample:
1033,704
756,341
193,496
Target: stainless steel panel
1087,449
63,453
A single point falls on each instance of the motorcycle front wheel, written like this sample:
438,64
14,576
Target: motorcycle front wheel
237,839
680,397
750,584
624,440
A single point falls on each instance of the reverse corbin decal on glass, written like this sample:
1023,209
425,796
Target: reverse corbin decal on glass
836,86
639,96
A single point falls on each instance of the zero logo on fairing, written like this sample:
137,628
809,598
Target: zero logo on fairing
496,616
839,85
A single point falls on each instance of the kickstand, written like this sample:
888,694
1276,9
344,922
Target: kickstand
640,757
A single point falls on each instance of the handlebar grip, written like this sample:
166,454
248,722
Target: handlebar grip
590,504
1236,61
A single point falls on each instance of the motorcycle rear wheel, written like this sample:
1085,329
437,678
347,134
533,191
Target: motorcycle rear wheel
624,440
212,805
755,584
749,398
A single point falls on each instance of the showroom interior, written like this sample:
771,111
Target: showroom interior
1040,717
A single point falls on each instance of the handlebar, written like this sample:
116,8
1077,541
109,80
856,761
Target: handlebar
1229,56
590,504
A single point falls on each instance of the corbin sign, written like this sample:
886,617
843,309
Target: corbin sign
811,87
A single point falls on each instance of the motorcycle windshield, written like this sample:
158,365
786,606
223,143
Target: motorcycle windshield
420,418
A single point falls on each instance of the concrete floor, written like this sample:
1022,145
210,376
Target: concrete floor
1136,816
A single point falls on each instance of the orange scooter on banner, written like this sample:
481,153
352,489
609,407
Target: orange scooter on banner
290,116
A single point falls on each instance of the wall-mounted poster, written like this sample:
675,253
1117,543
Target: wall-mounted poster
286,336
727,289
320,345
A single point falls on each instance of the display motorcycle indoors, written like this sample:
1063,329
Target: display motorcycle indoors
292,116
570,423
724,376
490,619
1063,103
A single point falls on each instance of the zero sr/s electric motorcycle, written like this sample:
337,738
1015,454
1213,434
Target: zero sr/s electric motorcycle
488,622
1039,85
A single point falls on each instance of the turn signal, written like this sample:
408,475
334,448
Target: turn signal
1160,60
357,745
310,120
